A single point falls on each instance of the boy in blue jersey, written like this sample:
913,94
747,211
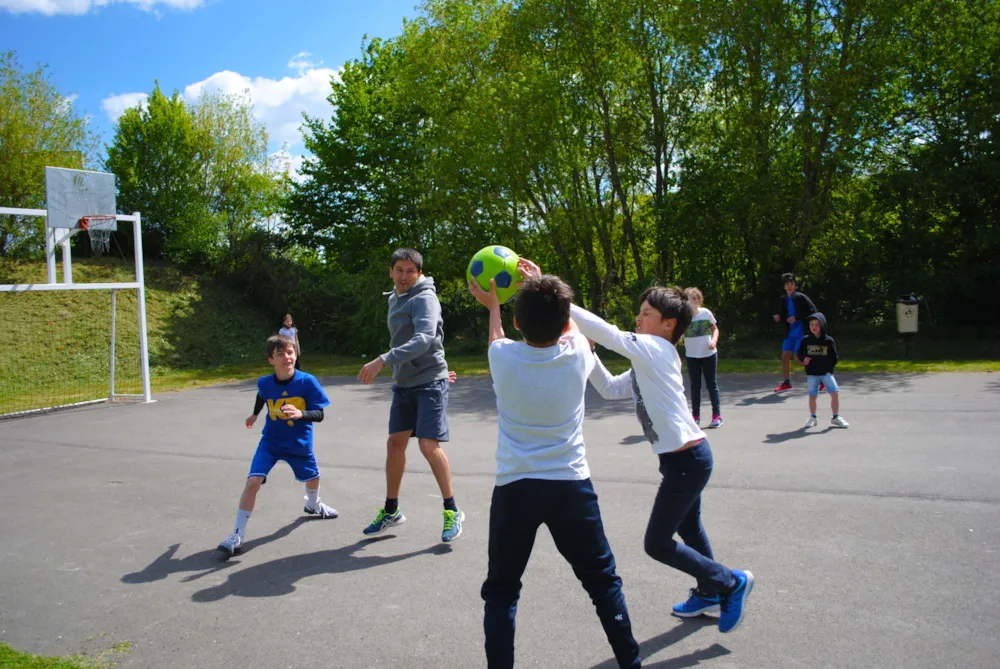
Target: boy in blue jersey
794,308
295,401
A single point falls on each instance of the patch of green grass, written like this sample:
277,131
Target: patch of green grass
13,659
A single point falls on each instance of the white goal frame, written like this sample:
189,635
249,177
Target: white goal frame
61,237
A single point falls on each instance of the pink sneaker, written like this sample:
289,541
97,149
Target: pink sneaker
716,421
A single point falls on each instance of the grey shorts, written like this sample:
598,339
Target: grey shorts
421,409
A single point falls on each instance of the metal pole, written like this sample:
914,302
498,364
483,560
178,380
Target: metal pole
114,313
67,259
140,278
50,253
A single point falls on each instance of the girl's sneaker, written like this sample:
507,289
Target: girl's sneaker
812,422
716,421
838,421
697,418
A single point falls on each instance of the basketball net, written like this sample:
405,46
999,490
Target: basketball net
100,235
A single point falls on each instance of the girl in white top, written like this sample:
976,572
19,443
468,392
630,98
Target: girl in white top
700,346
289,330
656,385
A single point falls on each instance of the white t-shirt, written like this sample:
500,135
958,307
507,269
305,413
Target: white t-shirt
291,333
699,334
655,381
540,408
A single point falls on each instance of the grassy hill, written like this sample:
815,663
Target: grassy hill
202,332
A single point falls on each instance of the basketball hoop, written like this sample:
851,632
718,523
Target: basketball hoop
99,228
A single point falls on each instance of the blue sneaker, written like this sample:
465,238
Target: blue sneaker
734,605
696,605
384,521
452,525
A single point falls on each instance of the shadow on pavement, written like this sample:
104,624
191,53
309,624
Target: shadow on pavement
278,577
800,433
675,634
206,562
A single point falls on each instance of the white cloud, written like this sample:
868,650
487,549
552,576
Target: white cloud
66,105
278,103
51,7
116,105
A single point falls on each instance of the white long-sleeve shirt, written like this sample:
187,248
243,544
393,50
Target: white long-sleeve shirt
655,382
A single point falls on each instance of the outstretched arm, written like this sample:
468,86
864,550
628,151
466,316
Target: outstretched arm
610,387
609,336
491,302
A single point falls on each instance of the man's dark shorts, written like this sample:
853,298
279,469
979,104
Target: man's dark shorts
422,409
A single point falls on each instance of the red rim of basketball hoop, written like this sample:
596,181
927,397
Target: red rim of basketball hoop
87,221
100,236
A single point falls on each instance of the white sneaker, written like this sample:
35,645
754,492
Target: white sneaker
812,422
321,510
232,544
838,421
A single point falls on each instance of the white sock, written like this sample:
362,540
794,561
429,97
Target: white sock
312,497
241,521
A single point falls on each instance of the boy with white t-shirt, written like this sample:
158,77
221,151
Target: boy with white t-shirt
656,385
700,347
542,474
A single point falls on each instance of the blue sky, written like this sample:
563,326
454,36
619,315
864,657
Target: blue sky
107,53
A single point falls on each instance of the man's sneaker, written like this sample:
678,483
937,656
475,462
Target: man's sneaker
838,421
812,422
321,510
822,386
696,605
734,605
232,544
452,525
384,521
783,386
716,421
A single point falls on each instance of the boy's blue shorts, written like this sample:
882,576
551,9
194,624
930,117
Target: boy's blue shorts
421,409
303,464
792,341
814,381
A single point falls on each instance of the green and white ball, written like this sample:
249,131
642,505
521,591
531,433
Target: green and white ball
500,264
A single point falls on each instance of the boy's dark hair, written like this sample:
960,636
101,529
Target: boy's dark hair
542,308
788,276
671,302
412,255
278,343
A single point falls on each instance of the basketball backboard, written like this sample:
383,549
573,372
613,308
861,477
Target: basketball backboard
72,194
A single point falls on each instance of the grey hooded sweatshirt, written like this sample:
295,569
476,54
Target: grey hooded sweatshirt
416,332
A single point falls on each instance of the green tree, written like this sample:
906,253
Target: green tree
242,183
39,127
155,155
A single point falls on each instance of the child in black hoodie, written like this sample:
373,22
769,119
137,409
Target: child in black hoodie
818,352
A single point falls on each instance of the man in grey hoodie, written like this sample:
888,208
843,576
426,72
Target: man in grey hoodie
419,391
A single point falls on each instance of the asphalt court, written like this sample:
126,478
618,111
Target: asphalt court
875,546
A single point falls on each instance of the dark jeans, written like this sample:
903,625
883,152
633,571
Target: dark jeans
570,510
710,368
677,509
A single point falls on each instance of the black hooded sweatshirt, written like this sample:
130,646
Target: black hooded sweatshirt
822,349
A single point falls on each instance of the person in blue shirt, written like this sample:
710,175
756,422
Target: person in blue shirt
294,401
795,308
